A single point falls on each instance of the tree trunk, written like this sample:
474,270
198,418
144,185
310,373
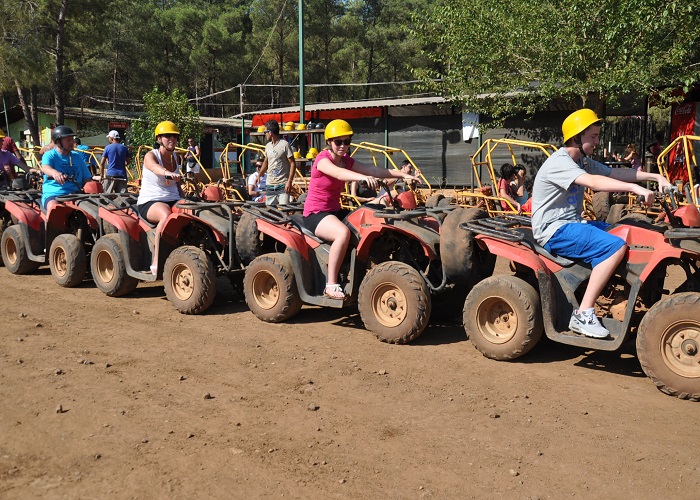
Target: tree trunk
59,86
370,69
26,110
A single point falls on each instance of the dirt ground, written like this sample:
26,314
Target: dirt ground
126,398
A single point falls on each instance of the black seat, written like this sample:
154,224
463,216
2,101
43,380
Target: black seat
298,221
531,243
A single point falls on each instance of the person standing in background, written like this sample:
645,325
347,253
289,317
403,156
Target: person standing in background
114,179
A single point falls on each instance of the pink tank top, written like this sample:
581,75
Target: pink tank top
324,191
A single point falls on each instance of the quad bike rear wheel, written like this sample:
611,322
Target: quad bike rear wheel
270,288
463,261
601,203
394,302
668,345
67,260
189,280
434,200
109,268
14,252
248,241
502,317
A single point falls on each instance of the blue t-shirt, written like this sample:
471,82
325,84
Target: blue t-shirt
116,154
71,165
87,158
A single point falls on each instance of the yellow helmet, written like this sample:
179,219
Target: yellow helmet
261,129
288,127
289,124
301,126
313,151
578,121
2,133
309,156
338,128
166,127
297,154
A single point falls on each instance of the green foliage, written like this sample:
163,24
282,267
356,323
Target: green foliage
160,106
503,57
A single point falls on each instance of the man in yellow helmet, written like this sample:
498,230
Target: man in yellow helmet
557,205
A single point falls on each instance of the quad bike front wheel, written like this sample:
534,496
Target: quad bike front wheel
67,260
14,252
502,317
668,345
189,280
394,302
109,268
270,288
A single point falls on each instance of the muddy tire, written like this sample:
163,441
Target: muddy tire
463,261
270,288
248,239
434,200
108,267
189,280
446,202
394,302
67,260
502,317
14,252
668,345
617,212
601,204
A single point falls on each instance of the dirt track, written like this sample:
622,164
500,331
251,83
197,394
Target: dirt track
160,405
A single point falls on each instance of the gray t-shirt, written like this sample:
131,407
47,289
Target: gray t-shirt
556,198
278,162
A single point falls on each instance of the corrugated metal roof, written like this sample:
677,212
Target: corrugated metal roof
331,106
109,115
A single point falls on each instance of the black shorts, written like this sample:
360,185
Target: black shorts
143,209
312,221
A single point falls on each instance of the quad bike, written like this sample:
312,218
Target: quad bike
196,242
391,269
62,237
504,316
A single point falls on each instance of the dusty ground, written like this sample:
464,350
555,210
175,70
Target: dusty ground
160,405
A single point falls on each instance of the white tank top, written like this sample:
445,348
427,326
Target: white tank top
156,187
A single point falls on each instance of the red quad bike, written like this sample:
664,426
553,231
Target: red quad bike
504,315
196,242
63,237
391,268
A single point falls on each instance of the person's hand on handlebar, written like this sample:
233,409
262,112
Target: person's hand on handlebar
175,176
663,183
60,177
646,197
372,182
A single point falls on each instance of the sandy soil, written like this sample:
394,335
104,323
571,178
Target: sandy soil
126,398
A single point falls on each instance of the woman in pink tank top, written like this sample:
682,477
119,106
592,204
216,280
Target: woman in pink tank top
332,168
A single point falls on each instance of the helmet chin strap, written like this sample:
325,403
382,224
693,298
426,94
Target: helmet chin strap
579,143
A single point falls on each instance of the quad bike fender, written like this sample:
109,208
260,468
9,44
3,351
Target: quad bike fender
123,221
290,237
427,238
655,248
179,219
517,253
25,213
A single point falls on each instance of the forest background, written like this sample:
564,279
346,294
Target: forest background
229,56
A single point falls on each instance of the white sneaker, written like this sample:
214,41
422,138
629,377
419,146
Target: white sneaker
586,323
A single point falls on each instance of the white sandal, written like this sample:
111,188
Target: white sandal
334,291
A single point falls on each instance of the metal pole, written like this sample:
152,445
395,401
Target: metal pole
302,117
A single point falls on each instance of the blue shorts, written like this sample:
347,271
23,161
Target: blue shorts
588,242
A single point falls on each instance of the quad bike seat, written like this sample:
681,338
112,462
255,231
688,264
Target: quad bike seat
298,221
530,242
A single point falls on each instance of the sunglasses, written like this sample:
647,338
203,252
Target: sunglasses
341,142
171,136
